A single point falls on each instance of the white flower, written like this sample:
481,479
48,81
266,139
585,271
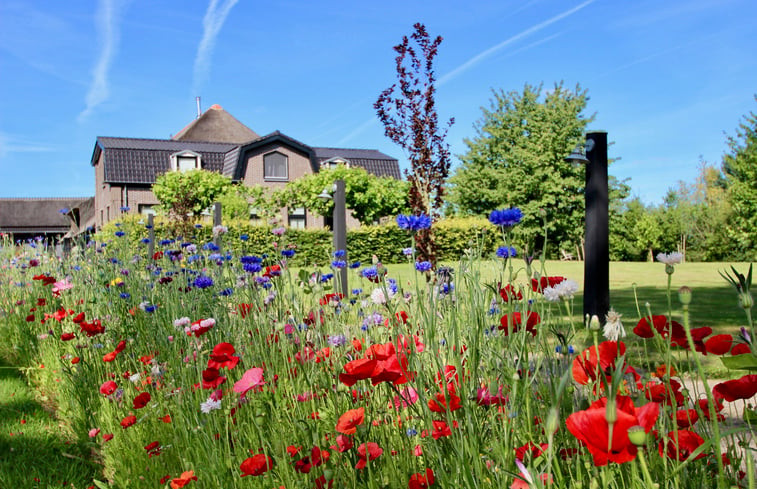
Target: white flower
178,323
551,294
567,289
613,329
135,378
670,258
210,405
378,296
220,230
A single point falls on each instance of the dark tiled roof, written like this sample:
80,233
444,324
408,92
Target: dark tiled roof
372,160
140,161
239,168
37,215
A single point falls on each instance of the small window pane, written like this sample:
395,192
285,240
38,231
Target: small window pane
146,209
297,218
185,163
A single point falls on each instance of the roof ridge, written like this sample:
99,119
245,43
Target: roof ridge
358,149
46,198
175,141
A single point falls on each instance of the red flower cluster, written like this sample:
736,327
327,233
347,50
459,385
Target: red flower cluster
382,363
513,322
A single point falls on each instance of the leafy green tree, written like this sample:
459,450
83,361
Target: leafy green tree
517,159
237,202
367,196
648,232
185,195
740,169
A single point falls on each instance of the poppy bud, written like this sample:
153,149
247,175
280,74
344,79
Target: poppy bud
552,421
745,300
684,295
637,436
594,323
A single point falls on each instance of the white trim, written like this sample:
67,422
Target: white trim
185,154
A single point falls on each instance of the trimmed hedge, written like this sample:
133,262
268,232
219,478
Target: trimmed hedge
454,237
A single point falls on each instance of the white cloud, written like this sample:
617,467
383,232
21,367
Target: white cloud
107,18
212,23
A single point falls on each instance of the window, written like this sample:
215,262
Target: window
145,209
333,162
297,218
275,166
185,160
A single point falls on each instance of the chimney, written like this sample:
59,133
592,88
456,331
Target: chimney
199,112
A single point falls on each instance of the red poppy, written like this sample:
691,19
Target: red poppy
343,443
108,388
272,271
681,444
329,298
107,437
92,329
78,318
67,336
513,322
742,388
510,293
109,357
368,451
244,309
704,406
544,282
591,428
350,420
719,344
401,317
316,458
441,429
30,318
660,392
256,465
211,378
685,418
222,357
590,367
530,449
741,349
441,404
153,449
421,481
165,478
121,346
128,421
662,325
141,400
184,479
392,370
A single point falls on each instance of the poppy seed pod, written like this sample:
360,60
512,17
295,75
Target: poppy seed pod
684,295
637,435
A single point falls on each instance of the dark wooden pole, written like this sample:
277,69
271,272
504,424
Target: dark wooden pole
340,231
597,250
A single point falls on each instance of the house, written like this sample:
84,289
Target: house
126,168
48,218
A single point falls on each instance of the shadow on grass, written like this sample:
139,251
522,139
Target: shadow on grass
35,452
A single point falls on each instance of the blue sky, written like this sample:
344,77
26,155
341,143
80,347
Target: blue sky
667,80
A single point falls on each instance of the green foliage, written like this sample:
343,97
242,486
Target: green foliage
648,232
368,196
517,159
185,195
740,168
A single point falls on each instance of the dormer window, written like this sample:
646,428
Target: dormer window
333,162
276,166
185,160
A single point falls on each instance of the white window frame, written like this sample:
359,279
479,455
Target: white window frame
299,214
333,162
285,178
186,154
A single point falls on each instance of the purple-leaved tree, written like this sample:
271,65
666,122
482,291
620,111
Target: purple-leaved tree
407,110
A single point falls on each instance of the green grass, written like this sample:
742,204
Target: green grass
35,451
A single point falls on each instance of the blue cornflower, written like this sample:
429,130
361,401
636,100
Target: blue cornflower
145,240
194,258
326,277
210,247
150,308
506,252
369,272
340,254
355,264
338,263
423,266
287,253
252,267
244,237
114,260
506,217
392,284
412,432
226,292
186,244
165,242
407,251
337,340
202,282
250,259
357,291
120,234
215,257
414,223
124,295
198,226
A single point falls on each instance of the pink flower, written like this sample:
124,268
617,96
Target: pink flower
94,432
64,284
251,379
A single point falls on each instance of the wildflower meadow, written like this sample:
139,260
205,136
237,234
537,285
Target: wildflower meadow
199,368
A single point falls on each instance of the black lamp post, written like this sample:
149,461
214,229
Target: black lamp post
597,233
339,226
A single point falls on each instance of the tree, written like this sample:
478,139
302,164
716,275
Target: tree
185,195
517,159
407,110
368,197
740,169
648,232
